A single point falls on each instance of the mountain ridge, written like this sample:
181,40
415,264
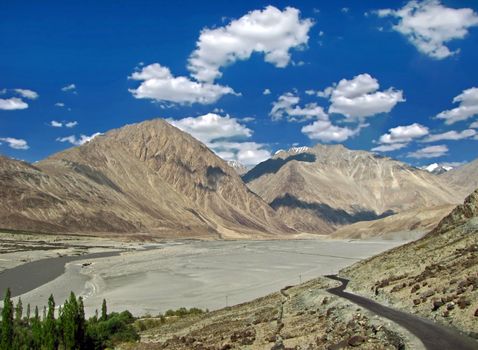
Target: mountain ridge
315,186
146,177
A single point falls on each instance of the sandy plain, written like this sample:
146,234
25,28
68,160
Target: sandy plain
149,278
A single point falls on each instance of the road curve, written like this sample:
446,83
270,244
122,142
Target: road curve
432,335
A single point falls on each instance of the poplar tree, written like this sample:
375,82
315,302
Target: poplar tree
81,336
19,311
36,330
50,336
28,313
104,311
6,340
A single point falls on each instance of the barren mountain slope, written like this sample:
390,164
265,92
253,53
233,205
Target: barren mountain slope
300,317
409,224
436,276
321,188
148,177
463,178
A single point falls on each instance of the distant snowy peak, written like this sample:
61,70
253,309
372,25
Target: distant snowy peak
237,166
437,169
294,150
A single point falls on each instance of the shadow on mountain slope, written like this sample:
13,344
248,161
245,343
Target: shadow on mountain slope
333,215
272,166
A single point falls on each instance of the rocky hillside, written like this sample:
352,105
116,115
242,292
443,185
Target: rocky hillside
301,317
436,276
319,189
143,178
409,224
464,178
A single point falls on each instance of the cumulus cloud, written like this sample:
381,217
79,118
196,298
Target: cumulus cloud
26,93
15,143
451,135
474,125
78,141
325,131
269,31
287,107
13,103
69,87
59,104
389,147
226,136
404,134
57,124
266,92
157,83
468,107
400,136
429,152
359,98
429,25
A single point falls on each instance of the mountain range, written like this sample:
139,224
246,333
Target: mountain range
151,178
147,178
321,188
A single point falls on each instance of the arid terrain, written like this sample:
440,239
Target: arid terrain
147,178
436,276
301,317
322,188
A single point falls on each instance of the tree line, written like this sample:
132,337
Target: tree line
70,330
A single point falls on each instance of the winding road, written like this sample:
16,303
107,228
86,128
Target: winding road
432,335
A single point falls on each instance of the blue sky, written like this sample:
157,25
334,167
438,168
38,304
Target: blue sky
363,74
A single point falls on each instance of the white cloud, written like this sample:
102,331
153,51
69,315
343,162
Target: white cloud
359,98
287,106
400,136
389,147
474,125
160,85
326,92
212,127
59,104
345,9
266,92
269,31
429,25
78,141
26,93
71,124
468,107
310,92
404,134
429,152
225,136
57,124
15,143
12,103
69,87
325,131
451,135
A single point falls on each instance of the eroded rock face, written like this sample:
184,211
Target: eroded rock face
148,177
436,276
324,187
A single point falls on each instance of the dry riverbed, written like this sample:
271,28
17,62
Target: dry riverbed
151,278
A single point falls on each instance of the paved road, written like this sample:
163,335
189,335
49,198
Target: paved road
23,278
432,335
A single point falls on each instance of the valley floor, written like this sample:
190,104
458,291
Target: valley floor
152,278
